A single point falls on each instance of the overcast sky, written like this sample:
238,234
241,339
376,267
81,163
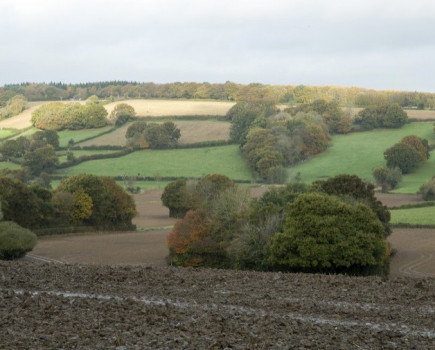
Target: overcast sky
379,44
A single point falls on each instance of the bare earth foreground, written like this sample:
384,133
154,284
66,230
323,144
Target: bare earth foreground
122,296
58,306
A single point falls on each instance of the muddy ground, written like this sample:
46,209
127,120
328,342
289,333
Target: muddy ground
57,306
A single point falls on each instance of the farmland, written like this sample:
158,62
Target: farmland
359,153
194,162
191,132
165,108
414,216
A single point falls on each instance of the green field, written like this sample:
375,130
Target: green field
359,153
195,162
414,216
12,166
6,133
79,135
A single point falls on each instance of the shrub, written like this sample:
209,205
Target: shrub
15,241
427,190
388,178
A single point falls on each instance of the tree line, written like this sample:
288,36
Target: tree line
229,91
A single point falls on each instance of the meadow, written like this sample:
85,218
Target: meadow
413,216
79,135
359,153
195,163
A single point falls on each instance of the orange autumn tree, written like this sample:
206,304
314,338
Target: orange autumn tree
193,228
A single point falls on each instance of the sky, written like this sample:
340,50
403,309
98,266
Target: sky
378,44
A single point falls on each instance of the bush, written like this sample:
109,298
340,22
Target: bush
15,241
388,178
427,190
402,156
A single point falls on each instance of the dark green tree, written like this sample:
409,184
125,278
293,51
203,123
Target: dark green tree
324,234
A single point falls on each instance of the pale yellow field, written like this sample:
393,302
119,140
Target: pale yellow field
412,113
191,132
162,108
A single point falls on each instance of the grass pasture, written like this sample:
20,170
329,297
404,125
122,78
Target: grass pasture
167,108
414,216
359,153
4,133
9,165
412,113
78,135
195,162
191,132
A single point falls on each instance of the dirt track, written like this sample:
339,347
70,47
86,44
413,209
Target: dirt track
91,306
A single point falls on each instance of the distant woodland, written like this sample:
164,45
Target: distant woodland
229,91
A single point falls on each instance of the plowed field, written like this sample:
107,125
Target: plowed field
56,306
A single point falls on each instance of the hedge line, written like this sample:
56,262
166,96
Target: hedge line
81,159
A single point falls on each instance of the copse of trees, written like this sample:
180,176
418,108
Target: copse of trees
333,226
152,135
121,114
72,116
270,142
407,154
36,154
14,106
387,178
381,116
109,205
330,112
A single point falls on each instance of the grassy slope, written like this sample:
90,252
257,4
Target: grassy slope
415,216
359,153
12,166
6,133
78,135
196,162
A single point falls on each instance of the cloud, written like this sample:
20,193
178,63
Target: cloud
380,44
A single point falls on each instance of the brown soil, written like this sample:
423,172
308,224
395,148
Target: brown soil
397,200
56,306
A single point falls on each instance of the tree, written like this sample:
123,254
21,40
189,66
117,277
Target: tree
121,114
388,178
352,186
40,160
177,198
22,205
403,156
324,234
395,117
47,136
112,207
421,146
427,190
243,115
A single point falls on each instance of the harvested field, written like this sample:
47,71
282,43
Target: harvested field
165,108
88,307
22,120
397,200
412,113
191,132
